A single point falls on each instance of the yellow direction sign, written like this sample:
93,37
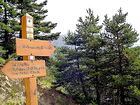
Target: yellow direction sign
24,69
27,26
26,47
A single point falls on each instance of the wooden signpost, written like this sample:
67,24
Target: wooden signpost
34,47
24,69
27,27
29,68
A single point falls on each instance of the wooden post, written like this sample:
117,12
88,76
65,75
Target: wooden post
30,83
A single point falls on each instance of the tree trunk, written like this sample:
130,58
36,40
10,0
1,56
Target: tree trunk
98,96
122,96
6,33
84,91
121,72
81,81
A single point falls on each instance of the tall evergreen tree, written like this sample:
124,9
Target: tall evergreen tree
8,26
119,35
92,47
70,74
81,63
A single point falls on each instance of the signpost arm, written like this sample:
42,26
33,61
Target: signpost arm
30,83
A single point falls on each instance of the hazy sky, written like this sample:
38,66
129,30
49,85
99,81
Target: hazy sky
67,12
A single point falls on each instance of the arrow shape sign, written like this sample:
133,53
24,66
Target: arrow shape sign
24,69
26,47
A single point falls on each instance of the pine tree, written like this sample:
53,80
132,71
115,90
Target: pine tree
92,44
119,35
81,72
70,75
8,26
42,28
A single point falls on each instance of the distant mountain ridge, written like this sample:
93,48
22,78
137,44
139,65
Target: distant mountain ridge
59,42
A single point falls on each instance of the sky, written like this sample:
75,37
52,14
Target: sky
66,12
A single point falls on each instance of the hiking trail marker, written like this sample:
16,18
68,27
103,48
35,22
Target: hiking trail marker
34,47
24,69
29,68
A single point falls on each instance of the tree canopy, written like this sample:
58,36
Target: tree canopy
97,65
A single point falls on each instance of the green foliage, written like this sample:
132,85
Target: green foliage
8,24
42,28
78,65
2,60
11,12
11,91
120,36
47,82
135,90
100,67
96,68
10,15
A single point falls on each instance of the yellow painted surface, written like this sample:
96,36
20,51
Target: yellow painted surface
30,83
24,69
26,25
31,91
28,47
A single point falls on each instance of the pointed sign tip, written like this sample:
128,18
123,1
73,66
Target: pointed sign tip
24,69
28,15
